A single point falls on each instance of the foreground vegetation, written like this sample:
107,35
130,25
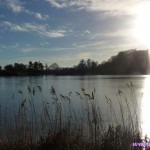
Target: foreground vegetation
125,62
60,125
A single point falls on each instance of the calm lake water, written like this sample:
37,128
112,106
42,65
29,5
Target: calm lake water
103,85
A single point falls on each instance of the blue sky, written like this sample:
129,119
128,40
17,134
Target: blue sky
65,31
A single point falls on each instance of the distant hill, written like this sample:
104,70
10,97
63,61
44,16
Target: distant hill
127,62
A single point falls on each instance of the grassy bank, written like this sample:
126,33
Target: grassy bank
59,125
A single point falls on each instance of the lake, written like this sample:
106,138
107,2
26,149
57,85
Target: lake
13,90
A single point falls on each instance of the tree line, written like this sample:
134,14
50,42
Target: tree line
125,62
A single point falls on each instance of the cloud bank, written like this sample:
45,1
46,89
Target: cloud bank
113,6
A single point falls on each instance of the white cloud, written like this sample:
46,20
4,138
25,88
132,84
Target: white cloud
114,7
57,4
13,27
44,43
113,34
38,15
42,30
54,34
87,31
17,7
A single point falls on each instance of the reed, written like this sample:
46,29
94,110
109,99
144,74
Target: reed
60,125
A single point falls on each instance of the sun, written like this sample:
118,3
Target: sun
142,24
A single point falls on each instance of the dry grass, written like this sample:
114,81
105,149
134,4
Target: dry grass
61,126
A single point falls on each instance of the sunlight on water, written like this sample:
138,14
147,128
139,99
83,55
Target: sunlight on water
146,108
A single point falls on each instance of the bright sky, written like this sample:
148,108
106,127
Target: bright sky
65,31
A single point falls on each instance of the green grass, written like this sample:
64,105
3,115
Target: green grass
59,125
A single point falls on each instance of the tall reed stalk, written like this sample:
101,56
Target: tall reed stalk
60,125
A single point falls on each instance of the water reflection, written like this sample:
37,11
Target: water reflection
146,108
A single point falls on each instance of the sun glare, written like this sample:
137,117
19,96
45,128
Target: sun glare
146,108
142,24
